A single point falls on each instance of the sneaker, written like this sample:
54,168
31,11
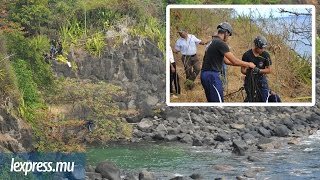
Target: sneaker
174,97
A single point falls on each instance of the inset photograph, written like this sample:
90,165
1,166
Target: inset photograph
241,55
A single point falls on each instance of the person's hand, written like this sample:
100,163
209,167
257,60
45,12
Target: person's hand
251,65
256,70
173,70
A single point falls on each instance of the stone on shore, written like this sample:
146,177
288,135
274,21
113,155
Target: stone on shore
108,170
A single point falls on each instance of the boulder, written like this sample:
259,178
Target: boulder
239,147
173,131
159,135
94,175
145,124
249,138
145,175
187,139
171,138
264,132
78,173
253,159
222,137
196,176
281,131
197,142
108,170
178,178
130,177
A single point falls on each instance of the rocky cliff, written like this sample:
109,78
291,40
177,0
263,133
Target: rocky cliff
137,66
15,134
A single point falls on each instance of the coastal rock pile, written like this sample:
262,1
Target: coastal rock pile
234,129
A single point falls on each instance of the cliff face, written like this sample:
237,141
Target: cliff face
138,67
15,134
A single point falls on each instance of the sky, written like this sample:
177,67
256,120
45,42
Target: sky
266,11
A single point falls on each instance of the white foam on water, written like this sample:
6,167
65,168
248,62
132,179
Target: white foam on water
315,136
300,172
308,149
178,175
306,142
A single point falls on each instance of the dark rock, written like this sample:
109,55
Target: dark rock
208,141
288,122
197,142
171,138
159,136
173,131
196,176
264,132
255,134
267,125
239,147
78,172
108,170
249,138
133,119
185,128
222,137
16,135
94,175
172,115
264,141
90,168
196,118
178,178
161,128
145,110
281,131
130,177
145,175
314,117
241,178
253,159
187,139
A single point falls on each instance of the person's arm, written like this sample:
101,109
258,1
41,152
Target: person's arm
199,41
175,50
244,70
237,62
172,68
226,61
267,70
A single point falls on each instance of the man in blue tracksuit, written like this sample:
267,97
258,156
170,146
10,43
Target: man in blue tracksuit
217,53
255,83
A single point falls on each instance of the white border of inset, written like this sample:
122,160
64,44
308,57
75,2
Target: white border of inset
313,101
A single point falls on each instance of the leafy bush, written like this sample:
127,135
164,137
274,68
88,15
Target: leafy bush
95,44
8,82
27,86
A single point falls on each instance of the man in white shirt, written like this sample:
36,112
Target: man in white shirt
187,45
173,74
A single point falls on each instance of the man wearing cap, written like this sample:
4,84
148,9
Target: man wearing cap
216,54
187,45
255,83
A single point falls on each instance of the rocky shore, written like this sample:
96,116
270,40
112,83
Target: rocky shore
240,130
